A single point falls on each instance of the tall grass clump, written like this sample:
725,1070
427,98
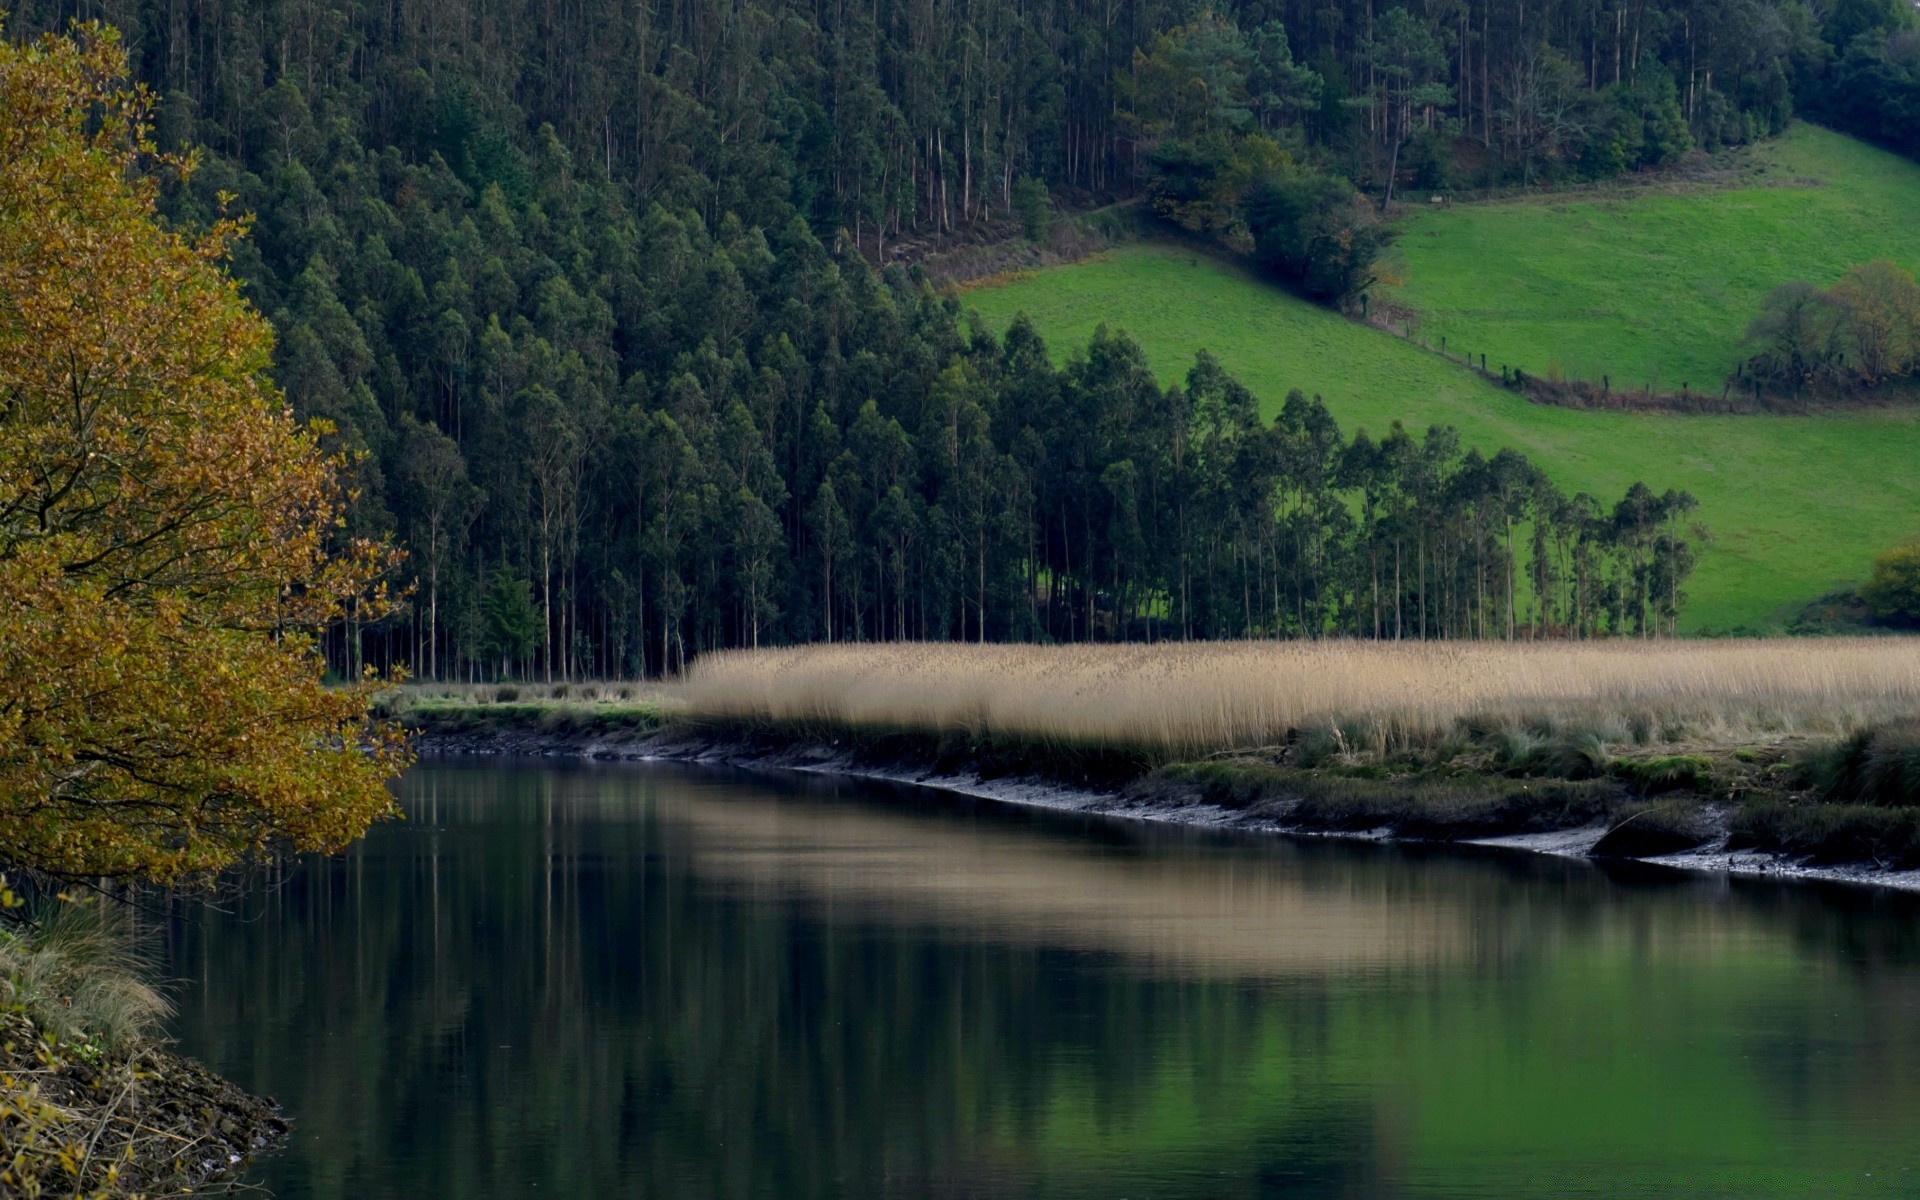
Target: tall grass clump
79,979
1206,697
91,1104
1868,766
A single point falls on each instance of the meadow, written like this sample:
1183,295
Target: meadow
1797,506
1653,284
1195,698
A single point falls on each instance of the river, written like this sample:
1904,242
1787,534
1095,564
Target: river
662,981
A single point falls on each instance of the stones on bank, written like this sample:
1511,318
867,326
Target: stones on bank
79,1120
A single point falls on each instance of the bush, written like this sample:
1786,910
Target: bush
1874,766
1892,593
1444,810
1308,229
1796,339
88,1105
1576,755
1427,157
1664,137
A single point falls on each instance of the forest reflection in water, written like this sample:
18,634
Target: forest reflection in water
663,981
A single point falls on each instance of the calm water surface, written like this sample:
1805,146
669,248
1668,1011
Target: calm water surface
656,981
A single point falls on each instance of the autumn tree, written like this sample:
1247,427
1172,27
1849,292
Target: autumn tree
1882,318
170,539
1804,334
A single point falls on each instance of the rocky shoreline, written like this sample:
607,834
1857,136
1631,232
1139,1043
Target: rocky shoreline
161,1123
1166,796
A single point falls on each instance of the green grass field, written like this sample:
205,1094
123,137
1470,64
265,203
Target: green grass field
1650,285
1797,505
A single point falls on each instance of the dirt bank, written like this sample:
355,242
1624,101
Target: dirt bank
139,1122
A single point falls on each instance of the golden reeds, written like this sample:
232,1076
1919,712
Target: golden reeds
1221,695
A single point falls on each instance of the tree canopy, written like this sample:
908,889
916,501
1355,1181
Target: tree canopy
613,313
169,533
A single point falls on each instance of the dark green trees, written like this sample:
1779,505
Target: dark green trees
914,480
607,306
510,625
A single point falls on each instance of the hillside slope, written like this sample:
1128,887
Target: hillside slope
1797,505
1650,286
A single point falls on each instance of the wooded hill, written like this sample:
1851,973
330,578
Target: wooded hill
907,114
590,286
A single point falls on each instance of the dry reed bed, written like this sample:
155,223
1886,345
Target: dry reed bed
1212,696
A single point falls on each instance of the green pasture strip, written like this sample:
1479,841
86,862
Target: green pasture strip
1651,285
1797,505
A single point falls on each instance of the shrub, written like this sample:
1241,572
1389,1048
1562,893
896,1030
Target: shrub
1317,745
88,1105
1892,592
1308,229
1875,766
1418,808
1796,338
1427,156
1576,755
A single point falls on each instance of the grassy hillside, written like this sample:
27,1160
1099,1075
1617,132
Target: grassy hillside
1799,505
1651,286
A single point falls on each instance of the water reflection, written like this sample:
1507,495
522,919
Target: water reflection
1198,913
660,982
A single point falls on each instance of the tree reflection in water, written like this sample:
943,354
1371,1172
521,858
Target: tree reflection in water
657,981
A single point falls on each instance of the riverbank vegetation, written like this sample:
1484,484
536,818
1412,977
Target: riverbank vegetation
90,1103
1782,752
1807,750
1185,699
442,710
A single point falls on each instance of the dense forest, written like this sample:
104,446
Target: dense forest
608,300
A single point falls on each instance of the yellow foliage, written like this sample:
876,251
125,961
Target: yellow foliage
1882,303
167,529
